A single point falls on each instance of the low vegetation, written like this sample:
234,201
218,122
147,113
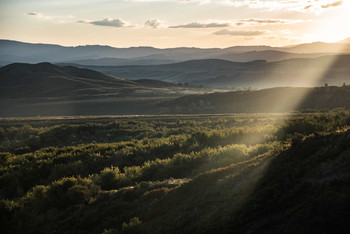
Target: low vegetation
257,173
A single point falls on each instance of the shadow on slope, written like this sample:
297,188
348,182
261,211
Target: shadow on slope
305,190
47,80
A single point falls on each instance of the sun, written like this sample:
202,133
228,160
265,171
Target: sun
333,27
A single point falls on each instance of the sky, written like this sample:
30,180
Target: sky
174,23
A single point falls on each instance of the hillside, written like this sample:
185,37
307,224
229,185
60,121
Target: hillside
253,173
168,58
268,55
48,80
47,89
193,71
331,69
313,181
148,60
308,181
282,99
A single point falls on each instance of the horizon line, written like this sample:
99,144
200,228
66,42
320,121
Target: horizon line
189,47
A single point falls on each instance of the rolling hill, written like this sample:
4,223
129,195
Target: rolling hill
283,99
48,80
333,70
47,89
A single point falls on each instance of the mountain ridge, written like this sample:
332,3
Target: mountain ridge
16,51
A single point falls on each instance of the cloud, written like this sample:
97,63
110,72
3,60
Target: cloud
285,5
315,6
240,33
39,15
269,5
109,22
263,21
33,13
154,23
56,18
334,4
202,25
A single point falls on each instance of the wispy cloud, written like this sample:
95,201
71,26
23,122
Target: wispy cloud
253,21
334,4
108,22
288,5
39,15
154,23
202,25
240,33
269,5
53,18
263,21
33,13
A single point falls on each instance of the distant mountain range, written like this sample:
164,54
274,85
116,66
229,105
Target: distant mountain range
14,51
150,81
332,69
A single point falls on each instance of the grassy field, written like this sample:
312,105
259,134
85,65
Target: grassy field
244,173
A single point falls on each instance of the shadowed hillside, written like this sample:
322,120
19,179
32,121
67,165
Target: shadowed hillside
47,89
333,70
282,99
48,80
310,193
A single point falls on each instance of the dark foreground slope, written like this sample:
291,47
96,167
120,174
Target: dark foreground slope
230,175
305,190
302,190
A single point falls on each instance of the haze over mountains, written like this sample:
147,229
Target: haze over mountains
332,69
147,77
47,89
14,51
272,100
